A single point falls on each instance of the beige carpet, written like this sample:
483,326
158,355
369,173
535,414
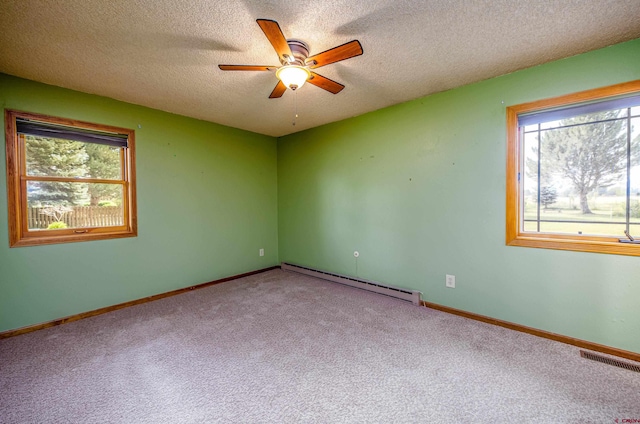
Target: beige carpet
283,348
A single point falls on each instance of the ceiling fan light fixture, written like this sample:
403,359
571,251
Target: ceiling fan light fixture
293,76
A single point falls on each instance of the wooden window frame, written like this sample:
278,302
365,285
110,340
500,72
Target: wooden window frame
514,234
19,234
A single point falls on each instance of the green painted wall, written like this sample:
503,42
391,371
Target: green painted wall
419,190
207,202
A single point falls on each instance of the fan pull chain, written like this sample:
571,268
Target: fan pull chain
295,105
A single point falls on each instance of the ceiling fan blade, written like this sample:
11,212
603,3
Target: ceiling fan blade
336,54
246,68
325,83
278,91
275,36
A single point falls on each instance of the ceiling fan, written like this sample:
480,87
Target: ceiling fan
296,62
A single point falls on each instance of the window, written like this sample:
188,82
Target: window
573,171
68,181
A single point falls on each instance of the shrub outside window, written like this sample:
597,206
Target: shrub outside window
68,180
573,171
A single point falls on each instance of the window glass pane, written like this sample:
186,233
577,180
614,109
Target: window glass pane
547,192
551,124
635,111
529,128
582,176
54,205
590,117
54,157
587,229
530,226
530,181
634,200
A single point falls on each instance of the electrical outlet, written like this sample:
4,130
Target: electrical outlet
450,281
261,252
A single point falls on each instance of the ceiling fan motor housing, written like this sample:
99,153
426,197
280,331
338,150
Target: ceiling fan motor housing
300,51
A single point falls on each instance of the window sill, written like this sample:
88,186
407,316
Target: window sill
44,239
587,244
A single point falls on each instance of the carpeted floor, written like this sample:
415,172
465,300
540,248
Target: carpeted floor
284,348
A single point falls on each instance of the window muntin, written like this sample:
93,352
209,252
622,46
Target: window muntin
573,173
68,181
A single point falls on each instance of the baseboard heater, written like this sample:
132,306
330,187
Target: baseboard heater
412,296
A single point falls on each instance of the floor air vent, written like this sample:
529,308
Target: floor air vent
412,296
607,360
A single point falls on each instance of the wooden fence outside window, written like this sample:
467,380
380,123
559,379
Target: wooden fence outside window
80,216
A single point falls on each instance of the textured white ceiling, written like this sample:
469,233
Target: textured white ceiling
164,53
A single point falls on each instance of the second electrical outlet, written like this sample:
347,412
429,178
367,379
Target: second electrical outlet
450,281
